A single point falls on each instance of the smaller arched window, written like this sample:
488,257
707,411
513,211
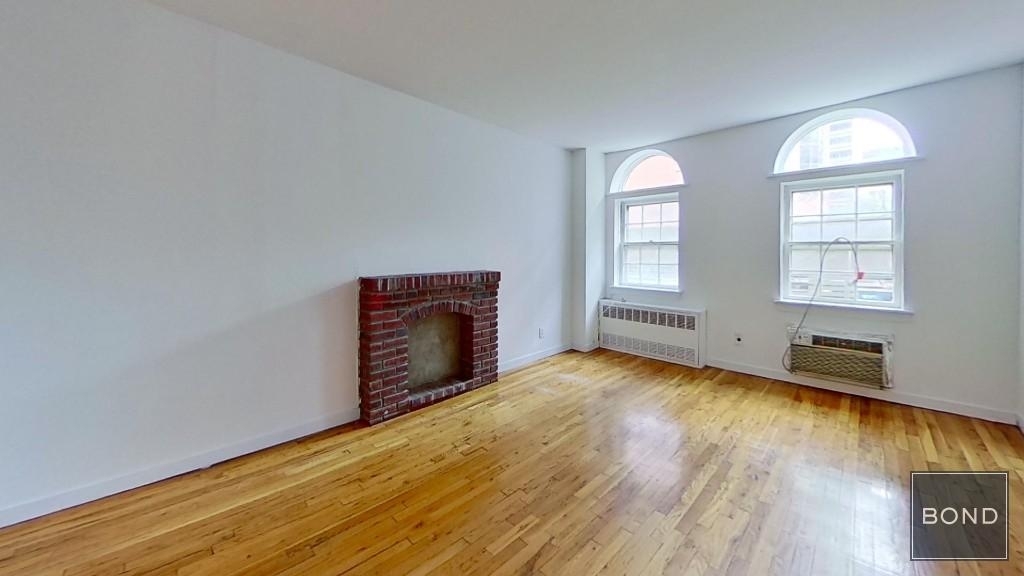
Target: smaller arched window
645,215
843,138
647,169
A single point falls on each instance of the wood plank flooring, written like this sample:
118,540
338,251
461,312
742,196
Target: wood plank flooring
595,463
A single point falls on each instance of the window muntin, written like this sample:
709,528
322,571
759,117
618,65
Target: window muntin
866,209
843,138
649,247
644,215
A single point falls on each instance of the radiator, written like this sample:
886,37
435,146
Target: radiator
668,334
862,359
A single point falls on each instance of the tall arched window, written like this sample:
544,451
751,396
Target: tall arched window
645,213
842,236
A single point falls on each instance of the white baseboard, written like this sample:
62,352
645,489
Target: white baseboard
939,404
1020,422
521,361
585,347
104,488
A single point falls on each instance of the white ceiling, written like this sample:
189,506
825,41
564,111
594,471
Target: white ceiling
616,74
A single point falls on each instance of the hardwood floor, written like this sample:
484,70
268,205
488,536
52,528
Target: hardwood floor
582,464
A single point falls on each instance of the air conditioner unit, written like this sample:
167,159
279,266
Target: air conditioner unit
669,334
862,359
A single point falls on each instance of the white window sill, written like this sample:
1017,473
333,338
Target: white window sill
847,169
646,289
837,306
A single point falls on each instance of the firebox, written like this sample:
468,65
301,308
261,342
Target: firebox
424,338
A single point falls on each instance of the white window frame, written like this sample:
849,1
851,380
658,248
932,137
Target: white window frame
894,177
617,215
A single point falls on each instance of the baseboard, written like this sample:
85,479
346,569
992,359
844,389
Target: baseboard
1020,422
585,347
109,487
895,396
521,361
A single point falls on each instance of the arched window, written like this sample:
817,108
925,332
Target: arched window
645,213
842,235
845,137
647,169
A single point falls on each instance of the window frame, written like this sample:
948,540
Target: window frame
620,205
616,198
857,179
840,115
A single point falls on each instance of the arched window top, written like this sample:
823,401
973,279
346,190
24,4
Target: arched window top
647,169
843,138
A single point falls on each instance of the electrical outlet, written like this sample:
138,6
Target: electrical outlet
540,333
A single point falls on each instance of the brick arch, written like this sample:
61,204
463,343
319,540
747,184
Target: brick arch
440,307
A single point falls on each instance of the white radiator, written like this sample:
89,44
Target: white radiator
668,334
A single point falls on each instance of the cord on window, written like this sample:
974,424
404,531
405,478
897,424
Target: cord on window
807,308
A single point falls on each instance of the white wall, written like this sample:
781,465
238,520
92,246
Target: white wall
1020,374
588,217
959,350
183,217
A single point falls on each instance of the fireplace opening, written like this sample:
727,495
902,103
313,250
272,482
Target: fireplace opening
435,349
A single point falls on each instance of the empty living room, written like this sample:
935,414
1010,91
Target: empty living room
473,287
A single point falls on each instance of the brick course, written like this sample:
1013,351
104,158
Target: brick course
389,304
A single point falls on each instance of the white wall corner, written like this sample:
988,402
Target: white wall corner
588,202
1020,247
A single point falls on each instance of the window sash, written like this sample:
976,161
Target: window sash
621,264
875,288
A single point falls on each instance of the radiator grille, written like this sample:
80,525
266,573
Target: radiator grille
649,348
653,317
839,364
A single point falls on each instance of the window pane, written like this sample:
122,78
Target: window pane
839,201
848,141
840,259
633,233
648,254
806,203
836,286
871,228
649,274
652,213
631,274
634,214
806,258
801,284
651,233
833,227
670,212
874,198
670,232
876,290
654,172
876,259
669,255
631,254
669,275
806,229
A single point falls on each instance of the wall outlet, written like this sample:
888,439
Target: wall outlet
540,333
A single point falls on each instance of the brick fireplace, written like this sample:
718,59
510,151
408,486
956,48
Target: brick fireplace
452,318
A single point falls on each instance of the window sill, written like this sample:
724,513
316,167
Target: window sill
646,289
847,169
854,307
